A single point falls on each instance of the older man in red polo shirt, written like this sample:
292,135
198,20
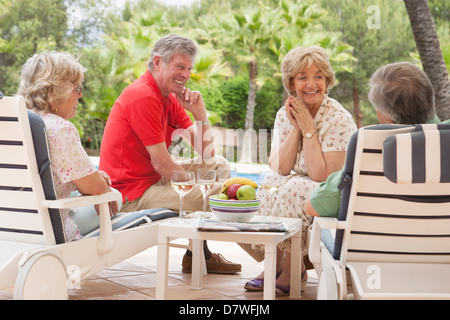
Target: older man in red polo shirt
139,131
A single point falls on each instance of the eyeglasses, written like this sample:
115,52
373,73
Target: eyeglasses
79,89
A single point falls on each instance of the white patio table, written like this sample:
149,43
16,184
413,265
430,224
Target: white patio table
173,230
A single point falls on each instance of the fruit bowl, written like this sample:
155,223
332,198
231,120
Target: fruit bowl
234,210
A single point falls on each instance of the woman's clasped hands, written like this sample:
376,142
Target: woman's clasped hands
299,115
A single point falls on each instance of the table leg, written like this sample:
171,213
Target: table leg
296,264
197,264
162,268
270,265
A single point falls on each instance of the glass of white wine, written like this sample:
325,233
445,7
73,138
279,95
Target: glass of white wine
225,173
182,182
205,180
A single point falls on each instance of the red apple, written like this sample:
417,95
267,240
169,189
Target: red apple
231,191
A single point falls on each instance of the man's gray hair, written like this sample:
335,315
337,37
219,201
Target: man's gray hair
172,44
403,92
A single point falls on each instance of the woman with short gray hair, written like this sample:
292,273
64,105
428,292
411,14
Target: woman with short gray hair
402,92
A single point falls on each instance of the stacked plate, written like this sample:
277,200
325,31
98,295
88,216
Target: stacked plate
234,210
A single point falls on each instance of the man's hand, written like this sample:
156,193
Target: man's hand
113,205
113,208
192,101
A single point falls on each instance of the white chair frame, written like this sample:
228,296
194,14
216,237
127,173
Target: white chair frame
390,249
33,263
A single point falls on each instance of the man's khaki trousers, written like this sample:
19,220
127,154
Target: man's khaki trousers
161,194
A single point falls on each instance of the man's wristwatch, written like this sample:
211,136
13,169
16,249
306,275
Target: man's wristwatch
204,123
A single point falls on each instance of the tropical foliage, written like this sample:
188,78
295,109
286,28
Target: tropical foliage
242,45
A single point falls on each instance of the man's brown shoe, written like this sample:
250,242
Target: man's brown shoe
216,264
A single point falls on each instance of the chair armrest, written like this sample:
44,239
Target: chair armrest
105,241
330,223
314,252
82,201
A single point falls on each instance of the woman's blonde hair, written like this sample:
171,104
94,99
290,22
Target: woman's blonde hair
299,59
48,79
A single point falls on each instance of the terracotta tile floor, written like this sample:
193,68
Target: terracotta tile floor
135,279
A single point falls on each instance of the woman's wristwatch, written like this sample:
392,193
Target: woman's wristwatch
309,135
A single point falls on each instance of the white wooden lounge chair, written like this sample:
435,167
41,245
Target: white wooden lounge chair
35,259
393,230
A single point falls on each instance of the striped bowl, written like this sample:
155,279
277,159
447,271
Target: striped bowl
234,210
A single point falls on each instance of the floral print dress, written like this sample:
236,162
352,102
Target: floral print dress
69,162
334,127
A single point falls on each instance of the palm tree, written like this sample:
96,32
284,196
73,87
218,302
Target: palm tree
248,34
209,67
433,62
245,36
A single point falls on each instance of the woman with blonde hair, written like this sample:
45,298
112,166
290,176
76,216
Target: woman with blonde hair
51,83
310,138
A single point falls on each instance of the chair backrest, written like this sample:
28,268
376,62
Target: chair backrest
22,216
398,202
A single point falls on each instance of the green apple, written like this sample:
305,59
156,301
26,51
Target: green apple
221,196
246,192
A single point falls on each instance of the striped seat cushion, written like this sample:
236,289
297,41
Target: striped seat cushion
129,220
421,156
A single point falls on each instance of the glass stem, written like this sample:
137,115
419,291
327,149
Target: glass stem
204,203
181,206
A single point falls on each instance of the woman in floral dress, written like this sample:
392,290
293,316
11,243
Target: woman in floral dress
51,85
310,139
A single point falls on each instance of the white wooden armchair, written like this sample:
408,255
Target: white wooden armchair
393,229
35,259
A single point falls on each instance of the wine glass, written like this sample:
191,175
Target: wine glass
182,182
205,179
225,173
